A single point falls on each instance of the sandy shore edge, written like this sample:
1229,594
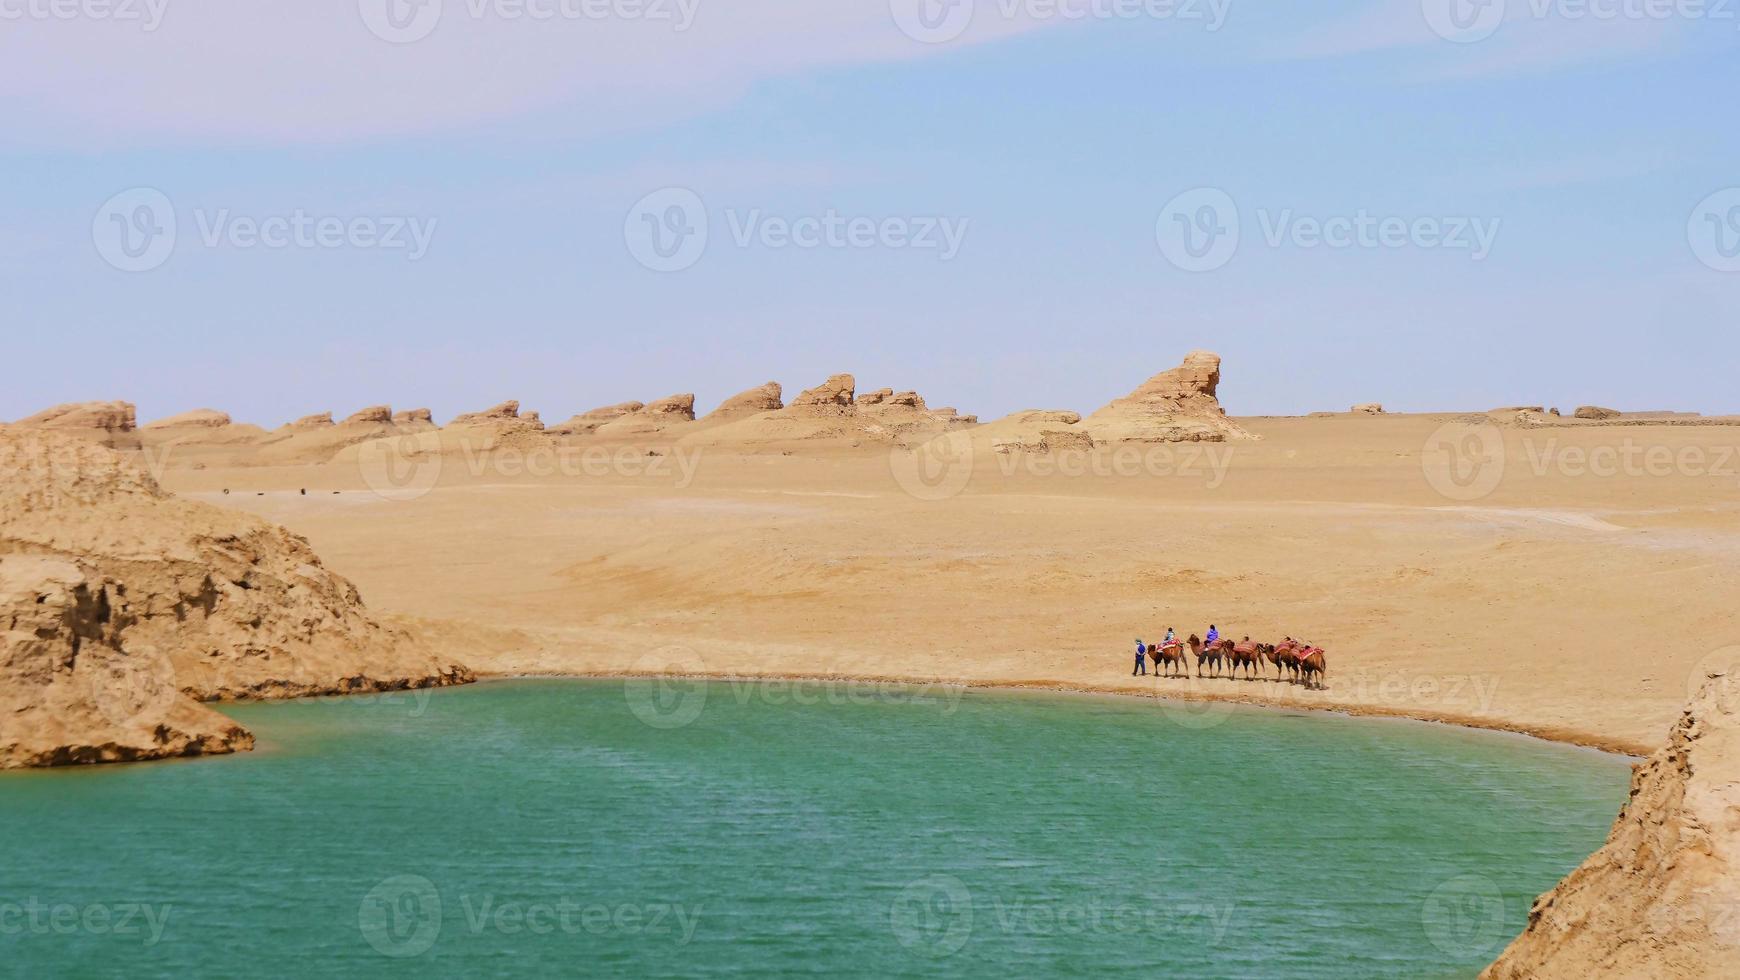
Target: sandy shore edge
1567,736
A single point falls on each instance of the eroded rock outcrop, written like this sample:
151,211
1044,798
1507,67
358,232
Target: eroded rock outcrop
1660,898
835,395
833,412
588,422
1180,405
75,689
112,424
1369,408
107,416
506,411
318,420
373,415
199,418
414,417
1596,413
232,605
766,398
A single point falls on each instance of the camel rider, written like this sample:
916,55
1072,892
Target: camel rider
1141,664
1213,635
1171,639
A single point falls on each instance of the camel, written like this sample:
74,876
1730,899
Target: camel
1284,657
1312,665
1216,653
1171,655
1246,655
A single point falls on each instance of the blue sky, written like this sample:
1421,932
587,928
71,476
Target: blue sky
1592,152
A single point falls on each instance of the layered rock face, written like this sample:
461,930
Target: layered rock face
666,416
373,415
835,394
199,418
112,424
1179,405
417,418
766,398
1662,897
75,689
318,420
505,412
588,422
232,605
1369,408
1596,413
832,412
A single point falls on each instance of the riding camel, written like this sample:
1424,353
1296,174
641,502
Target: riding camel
1215,654
1171,656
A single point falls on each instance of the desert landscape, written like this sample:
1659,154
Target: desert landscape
1564,575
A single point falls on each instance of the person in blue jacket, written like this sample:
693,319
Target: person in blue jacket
1141,664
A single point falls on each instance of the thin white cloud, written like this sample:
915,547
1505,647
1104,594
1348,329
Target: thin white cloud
1524,36
253,71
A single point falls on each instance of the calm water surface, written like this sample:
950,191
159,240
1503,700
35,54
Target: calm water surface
646,829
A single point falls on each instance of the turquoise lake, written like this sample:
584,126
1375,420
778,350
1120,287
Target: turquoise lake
676,828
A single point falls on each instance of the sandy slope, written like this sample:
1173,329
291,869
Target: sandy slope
1563,602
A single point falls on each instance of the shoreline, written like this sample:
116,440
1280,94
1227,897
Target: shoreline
1635,751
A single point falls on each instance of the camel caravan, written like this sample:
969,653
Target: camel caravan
1293,660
